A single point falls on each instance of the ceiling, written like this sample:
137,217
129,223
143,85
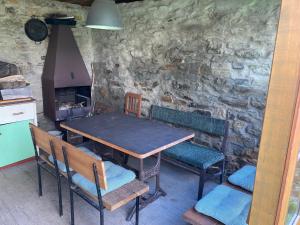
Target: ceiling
89,2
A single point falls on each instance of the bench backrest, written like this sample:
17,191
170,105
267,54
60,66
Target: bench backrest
78,160
193,120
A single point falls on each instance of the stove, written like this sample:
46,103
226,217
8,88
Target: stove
66,83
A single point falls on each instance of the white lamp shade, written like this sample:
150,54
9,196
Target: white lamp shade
104,14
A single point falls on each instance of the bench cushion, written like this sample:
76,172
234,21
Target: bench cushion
191,120
195,155
62,166
116,176
226,205
244,177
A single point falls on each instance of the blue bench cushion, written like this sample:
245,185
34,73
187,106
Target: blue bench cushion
195,155
225,204
116,177
62,166
244,177
191,120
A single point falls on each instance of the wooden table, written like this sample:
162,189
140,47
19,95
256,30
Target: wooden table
136,137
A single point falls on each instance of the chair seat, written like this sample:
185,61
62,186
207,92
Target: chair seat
244,177
225,204
195,155
116,177
62,166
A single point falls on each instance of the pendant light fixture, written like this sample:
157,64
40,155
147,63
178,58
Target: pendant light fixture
104,14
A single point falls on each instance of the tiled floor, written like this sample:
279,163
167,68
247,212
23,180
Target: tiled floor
20,204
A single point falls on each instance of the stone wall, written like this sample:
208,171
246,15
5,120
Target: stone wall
16,48
206,55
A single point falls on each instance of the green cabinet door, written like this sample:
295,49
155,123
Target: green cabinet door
15,143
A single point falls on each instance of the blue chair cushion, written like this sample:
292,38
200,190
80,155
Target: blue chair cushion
62,166
244,177
195,155
116,177
225,204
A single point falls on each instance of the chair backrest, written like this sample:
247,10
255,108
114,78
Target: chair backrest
133,104
41,139
193,120
80,161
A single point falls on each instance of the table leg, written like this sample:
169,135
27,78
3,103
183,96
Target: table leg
145,175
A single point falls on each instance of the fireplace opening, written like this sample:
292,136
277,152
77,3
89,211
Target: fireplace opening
72,102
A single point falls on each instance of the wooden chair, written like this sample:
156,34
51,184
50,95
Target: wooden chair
133,104
42,140
93,172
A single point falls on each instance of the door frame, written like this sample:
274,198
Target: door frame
274,168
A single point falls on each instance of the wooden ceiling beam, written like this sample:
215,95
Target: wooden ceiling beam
89,2
79,2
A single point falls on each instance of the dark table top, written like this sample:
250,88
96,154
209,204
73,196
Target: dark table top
137,137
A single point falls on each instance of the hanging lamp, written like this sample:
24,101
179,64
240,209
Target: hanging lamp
104,14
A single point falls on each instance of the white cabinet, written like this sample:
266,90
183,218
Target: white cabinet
15,139
10,113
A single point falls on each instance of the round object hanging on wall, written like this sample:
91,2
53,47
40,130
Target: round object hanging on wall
36,30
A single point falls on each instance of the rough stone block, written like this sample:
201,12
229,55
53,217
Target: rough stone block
203,112
237,66
242,88
263,70
244,116
155,84
254,130
247,53
258,102
238,126
205,69
166,98
234,101
214,46
250,142
180,86
180,102
198,105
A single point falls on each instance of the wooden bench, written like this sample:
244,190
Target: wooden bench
246,173
190,155
195,218
92,182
